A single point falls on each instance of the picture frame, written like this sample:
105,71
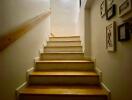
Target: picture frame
109,3
125,7
103,8
111,12
80,3
124,32
111,37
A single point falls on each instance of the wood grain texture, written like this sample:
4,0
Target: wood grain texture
65,90
15,34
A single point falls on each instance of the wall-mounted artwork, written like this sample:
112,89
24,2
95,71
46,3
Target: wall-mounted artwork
110,37
125,7
109,3
80,2
111,12
124,32
103,8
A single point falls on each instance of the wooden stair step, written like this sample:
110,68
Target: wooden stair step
62,46
74,36
77,65
74,61
63,49
63,93
63,52
63,73
62,77
62,56
67,38
64,89
64,43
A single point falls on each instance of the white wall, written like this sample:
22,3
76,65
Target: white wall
16,12
82,23
117,66
18,57
84,28
64,17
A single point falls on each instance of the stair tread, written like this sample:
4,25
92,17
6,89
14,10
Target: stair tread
61,46
76,61
64,90
64,73
63,53
66,41
64,36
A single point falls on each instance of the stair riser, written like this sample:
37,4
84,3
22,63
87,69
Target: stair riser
65,39
64,80
64,56
65,66
62,49
63,43
61,97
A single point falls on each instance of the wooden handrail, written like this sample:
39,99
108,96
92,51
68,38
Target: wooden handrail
15,34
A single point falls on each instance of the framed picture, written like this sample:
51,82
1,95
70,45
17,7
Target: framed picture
111,12
110,37
109,3
80,2
103,8
124,32
125,7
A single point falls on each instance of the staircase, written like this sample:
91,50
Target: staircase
63,73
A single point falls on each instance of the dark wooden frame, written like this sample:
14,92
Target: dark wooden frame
126,32
80,3
111,9
125,7
103,4
109,5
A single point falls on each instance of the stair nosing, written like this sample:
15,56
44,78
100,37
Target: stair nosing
72,90
65,74
65,37
64,61
61,46
64,41
62,53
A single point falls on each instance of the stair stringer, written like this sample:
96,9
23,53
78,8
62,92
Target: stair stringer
99,72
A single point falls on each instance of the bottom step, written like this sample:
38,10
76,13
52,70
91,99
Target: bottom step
63,93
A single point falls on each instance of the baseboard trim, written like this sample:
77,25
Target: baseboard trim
22,85
28,72
36,59
99,72
17,93
41,51
25,83
104,86
93,59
